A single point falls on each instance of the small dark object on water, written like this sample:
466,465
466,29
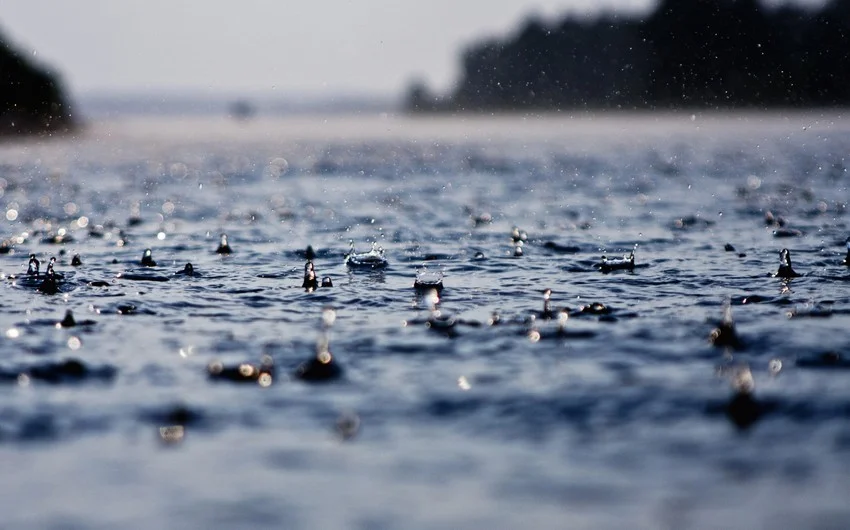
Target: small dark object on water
743,410
76,261
729,248
326,282
563,318
595,308
830,359
773,220
70,370
692,221
147,259
57,239
6,246
563,249
320,368
132,309
627,262
310,254
547,313
442,323
188,270
126,309
182,415
223,247
311,283
69,321
33,266
49,285
262,374
724,335
785,269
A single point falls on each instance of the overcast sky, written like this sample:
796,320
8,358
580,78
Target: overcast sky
303,46
289,46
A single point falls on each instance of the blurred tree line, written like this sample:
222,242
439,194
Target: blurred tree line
31,99
686,53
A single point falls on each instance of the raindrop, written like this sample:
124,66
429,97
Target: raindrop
774,367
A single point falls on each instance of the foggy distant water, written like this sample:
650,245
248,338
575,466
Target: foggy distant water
620,419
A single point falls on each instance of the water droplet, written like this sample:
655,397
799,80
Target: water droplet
328,316
774,367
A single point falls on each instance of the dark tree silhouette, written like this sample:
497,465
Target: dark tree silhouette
685,53
31,99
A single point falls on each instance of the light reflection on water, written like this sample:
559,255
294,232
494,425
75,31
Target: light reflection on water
620,412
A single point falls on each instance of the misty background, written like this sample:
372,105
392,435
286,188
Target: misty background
193,56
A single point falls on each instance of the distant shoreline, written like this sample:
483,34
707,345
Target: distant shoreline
582,130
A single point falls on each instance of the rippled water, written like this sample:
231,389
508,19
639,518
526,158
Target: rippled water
623,420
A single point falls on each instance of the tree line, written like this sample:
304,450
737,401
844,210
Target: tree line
685,53
31,98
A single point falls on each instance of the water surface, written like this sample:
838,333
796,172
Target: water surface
625,420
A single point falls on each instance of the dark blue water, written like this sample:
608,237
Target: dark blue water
482,412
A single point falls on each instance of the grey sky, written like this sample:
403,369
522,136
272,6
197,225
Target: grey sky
324,46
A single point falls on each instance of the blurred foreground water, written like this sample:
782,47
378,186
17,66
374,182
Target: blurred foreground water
484,411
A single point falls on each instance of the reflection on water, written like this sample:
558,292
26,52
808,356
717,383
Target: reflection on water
465,401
